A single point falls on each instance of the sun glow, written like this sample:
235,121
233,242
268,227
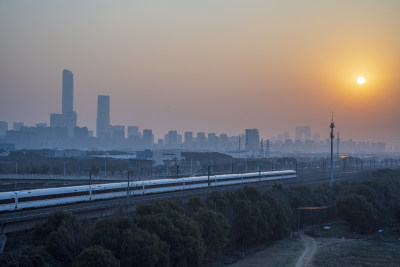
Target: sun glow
361,80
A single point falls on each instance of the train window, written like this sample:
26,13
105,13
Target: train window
162,185
36,198
7,201
198,182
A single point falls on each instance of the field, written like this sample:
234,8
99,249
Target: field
281,253
336,247
354,252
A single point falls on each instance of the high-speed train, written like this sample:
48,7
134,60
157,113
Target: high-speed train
37,198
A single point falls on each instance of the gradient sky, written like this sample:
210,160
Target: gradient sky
210,65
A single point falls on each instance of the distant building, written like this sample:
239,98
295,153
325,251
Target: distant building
147,138
3,128
42,125
316,138
171,140
118,132
303,131
133,131
252,140
188,141
212,142
201,140
68,117
103,116
67,92
81,132
17,126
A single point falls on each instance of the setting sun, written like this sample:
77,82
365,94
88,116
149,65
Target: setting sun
361,80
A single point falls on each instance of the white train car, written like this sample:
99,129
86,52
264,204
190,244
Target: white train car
37,198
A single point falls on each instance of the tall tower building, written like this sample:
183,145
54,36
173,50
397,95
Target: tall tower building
147,138
252,140
67,92
103,116
3,127
68,117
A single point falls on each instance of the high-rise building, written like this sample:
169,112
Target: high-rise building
67,92
303,130
103,116
201,140
188,141
68,117
212,142
3,127
133,131
252,140
17,126
147,138
172,139
118,131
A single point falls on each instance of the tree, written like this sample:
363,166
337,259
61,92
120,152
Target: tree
42,231
214,229
44,169
141,248
194,204
108,233
357,212
95,256
181,233
27,256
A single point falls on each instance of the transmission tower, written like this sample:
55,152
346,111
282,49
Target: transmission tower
267,149
332,136
262,148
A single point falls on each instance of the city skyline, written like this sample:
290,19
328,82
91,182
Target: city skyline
167,67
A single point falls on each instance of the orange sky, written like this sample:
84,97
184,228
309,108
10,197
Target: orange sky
213,66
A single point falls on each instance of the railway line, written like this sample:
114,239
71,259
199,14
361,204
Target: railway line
25,219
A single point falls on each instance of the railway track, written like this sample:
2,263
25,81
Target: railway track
25,219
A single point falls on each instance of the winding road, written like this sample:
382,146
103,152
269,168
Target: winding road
309,251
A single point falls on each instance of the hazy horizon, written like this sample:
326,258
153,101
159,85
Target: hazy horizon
213,66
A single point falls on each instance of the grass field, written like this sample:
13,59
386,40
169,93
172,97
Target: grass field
336,247
351,252
281,253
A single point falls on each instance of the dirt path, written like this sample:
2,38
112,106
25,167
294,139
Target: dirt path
309,251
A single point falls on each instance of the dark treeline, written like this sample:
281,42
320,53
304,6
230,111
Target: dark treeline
200,231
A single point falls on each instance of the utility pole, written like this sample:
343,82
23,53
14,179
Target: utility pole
105,166
332,126
208,173
262,149
129,189
239,146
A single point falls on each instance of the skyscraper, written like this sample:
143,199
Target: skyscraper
68,117
103,116
252,140
188,140
3,127
147,138
67,92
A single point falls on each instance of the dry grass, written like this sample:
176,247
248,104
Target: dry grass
281,253
350,252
